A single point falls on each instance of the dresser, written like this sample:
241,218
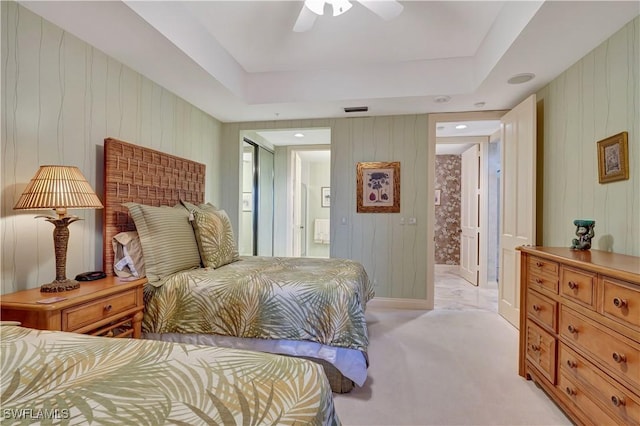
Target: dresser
580,331
108,307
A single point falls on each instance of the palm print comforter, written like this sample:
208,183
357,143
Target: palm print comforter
320,300
53,377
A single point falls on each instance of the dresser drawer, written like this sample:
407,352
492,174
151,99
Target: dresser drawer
92,312
542,309
615,397
543,274
578,286
619,354
576,394
541,351
621,302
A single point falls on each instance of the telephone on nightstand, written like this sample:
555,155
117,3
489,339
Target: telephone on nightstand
90,276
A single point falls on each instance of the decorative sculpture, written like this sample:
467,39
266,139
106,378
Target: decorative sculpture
584,232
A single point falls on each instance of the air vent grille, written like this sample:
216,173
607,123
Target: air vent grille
356,109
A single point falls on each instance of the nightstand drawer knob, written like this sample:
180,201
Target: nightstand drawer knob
108,308
617,401
619,358
619,303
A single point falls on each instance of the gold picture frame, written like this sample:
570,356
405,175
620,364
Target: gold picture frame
613,158
378,187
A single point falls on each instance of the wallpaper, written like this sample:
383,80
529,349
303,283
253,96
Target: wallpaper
447,224
597,97
60,98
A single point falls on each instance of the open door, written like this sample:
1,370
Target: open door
469,214
518,207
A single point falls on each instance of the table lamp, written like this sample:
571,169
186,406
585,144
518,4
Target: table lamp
59,188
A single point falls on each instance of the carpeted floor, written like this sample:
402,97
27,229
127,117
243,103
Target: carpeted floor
455,365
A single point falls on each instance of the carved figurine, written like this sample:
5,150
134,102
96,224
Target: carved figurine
584,232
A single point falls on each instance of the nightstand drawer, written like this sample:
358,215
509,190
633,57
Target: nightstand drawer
92,312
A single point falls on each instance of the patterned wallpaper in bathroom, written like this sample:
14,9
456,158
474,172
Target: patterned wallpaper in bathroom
447,237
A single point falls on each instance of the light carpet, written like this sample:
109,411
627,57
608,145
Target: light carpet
444,367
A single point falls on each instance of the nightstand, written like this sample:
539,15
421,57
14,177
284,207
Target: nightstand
108,307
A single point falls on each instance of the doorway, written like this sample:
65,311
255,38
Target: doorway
311,197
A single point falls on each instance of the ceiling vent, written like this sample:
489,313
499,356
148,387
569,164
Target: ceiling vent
357,109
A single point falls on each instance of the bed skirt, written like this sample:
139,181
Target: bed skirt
344,367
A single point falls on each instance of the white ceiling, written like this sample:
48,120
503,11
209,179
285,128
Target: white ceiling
240,60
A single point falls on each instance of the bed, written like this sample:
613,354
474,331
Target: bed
56,377
308,308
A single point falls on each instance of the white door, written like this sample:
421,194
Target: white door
469,214
518,207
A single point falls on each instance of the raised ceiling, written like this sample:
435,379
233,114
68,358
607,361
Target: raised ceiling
241,61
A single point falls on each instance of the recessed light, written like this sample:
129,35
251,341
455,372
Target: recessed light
461,126
299,135
479,104
521,78
441,99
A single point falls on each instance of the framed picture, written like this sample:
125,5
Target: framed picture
437,199
326,196
247,201
378,187
613,158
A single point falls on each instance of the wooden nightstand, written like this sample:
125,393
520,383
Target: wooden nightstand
108,307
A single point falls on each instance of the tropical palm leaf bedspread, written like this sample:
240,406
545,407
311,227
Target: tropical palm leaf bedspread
54,377
319,300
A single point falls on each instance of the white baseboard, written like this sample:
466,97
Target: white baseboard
447,268
388,302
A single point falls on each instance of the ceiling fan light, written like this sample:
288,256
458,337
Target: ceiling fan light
340,6
316,6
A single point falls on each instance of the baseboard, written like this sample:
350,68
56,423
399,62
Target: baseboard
447,268
389,302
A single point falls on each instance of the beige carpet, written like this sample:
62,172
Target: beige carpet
450,366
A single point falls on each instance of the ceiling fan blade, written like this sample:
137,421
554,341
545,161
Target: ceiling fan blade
386,9
305,20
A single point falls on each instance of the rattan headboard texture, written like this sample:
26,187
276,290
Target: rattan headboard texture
142,175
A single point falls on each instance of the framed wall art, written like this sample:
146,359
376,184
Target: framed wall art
613,158
325,200
378,187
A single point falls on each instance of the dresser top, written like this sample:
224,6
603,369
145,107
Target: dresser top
615,265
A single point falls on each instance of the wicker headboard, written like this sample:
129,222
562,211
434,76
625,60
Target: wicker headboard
142,175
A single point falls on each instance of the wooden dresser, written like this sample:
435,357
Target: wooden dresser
107,307
580,331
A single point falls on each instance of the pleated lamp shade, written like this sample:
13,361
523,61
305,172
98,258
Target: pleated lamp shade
58,187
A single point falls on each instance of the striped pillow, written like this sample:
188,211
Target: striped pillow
214,234
168,242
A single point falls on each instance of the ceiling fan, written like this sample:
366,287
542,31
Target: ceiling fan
386,9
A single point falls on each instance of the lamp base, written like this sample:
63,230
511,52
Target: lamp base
59,286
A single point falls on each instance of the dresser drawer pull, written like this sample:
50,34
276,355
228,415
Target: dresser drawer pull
536,308
535,348
572,329
619,358
619,303
108,308
538,281
571,363
539,264
570,391
573,285
617,401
